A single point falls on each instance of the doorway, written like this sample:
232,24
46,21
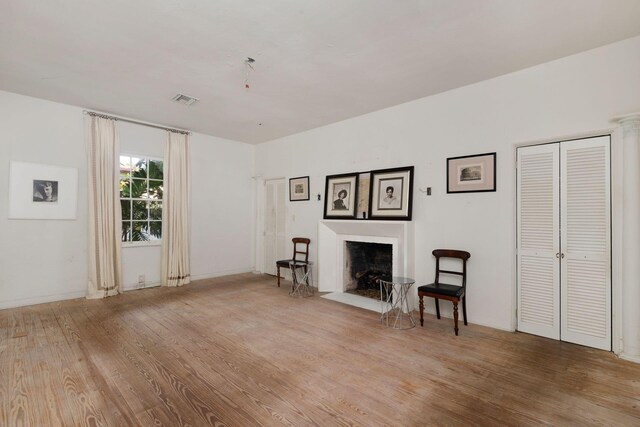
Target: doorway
274,224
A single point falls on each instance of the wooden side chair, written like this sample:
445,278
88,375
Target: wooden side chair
439,290
300,254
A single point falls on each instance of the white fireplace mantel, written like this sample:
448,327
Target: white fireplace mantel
333,233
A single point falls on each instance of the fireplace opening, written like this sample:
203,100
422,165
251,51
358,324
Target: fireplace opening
365,264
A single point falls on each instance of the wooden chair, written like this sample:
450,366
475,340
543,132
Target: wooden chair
439,290
297,254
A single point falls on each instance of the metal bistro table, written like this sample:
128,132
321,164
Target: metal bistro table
301,282
394,303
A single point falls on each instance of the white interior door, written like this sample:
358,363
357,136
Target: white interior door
564,241
538,240
274,224
585,242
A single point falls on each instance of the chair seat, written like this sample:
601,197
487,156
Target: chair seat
285,262
442,289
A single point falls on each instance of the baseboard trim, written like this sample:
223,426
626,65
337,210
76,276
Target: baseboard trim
23,302
446,316
136,287
221,273
634,359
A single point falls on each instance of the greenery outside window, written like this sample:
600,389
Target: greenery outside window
141,185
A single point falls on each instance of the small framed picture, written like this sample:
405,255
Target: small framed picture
42,191
391,194
299,189
341,196
471,174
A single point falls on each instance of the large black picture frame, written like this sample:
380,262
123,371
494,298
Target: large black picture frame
341,196
391,194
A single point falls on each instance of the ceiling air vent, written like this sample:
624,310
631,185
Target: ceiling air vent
185,99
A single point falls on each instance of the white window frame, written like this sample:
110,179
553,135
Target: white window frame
146,243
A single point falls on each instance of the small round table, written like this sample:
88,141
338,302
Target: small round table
394,302
300,279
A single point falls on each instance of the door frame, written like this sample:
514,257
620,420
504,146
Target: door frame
616,166
261,183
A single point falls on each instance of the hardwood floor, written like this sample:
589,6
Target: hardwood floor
239,351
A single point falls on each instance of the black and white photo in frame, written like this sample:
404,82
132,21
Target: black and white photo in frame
341,196
45,191
42,191
471,174
391,194
299,189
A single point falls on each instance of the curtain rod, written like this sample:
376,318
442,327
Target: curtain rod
135,122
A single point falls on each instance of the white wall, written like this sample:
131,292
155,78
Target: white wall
41,260
569,96
47,260
222,206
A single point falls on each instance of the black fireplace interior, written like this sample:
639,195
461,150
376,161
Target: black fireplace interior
366,263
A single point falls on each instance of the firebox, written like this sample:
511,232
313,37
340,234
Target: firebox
365,264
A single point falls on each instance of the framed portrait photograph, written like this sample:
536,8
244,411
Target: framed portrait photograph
341,196
391,194
471,174
42,191
299,189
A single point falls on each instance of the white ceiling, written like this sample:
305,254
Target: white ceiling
317,62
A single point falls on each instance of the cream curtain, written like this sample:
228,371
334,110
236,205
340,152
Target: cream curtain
176,268
105,224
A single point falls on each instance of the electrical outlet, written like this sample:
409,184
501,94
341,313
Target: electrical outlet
141,280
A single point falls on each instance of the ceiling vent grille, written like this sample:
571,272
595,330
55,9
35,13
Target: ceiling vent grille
185,99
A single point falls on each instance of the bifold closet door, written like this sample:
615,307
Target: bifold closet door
538,240
585,242
564,241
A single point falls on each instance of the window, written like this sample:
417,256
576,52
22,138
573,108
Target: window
141,198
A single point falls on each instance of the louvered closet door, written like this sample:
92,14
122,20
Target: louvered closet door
538,241
585,242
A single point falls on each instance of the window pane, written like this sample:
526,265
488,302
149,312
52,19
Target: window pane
155,230
125,167
125,189
155,169
138,188
126,209
139,169
155,210
140,232
140,210
126,231
155,189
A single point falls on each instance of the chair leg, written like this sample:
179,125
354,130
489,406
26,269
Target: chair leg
421,310
455,316
278,276
437,308
464,309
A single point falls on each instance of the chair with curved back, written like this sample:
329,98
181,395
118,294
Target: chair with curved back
440,290
300,249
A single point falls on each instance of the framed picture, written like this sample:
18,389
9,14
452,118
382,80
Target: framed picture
363,195
391,194
42,192
341,196
299,189
471,174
